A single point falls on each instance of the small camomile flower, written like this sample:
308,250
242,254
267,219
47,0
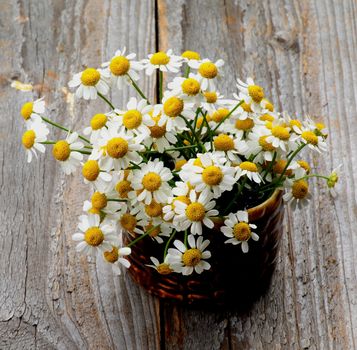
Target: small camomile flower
212,175
152,180
121,184
195,214
259,146
207,72
33,137
189,56
151,212
333,179
32,110
250,170
309,137
99,204
89,83
185,260
187,89
157,231
181,193
67,152
162,268
239,127
94,235
164,61
93,174
229,147
297,190
97,123
136,119
128,221
213,101
238,229
121,67
254,93
116,149
280,136
244,110
117,257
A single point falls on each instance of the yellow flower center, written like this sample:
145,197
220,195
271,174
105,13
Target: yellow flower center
295,122
173,106
245,124
223,142
256,92
119,65
61,150
123,188
183,199
179,164
332,180
266,118
98,121
155,231
268,105
151,181
117,147
90,77
27,110
157,131
208,70
211,96
94,236
195,211
242,231
159,58
246,107
132,119
220,114
279,167
190,87
267,146
154,209
112,256
300,189
249,166
99,200
280,132
320,126
198,162
305,165
90,170
164,269
310,137
28,138
191,55
191,257
128,222
212,175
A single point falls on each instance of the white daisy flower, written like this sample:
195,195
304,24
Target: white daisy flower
181,193
32,111
228,147
97,123
240,128
116,257
89,83
213,101
67,152
250,170
121,67
254,93
186,260
99,203
207,72
32,138
121,184
189,56
164,61
187,89
93,174
95,236
152,182
333,179
309,137
212,175
116,149
198,212
128,221
136,119
157,231
244,110
239,230
280,136
297,190
163,268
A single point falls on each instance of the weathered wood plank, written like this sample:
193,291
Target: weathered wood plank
302,53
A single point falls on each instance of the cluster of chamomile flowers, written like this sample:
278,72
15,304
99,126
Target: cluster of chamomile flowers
158,170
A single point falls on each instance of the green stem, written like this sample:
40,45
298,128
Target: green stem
314,175
63,128
136,87
168,243
106,100
193,133
186,238
161,82
228,115
80,151
48,142
142,236
270,166
116,200
187,71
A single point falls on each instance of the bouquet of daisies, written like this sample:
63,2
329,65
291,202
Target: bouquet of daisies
164,170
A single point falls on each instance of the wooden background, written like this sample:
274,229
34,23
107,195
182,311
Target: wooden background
303,52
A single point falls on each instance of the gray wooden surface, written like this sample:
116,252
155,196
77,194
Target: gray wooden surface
303,52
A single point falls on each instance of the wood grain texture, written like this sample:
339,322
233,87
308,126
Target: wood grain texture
303,53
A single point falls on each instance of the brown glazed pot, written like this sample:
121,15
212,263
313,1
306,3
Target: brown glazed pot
235,278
